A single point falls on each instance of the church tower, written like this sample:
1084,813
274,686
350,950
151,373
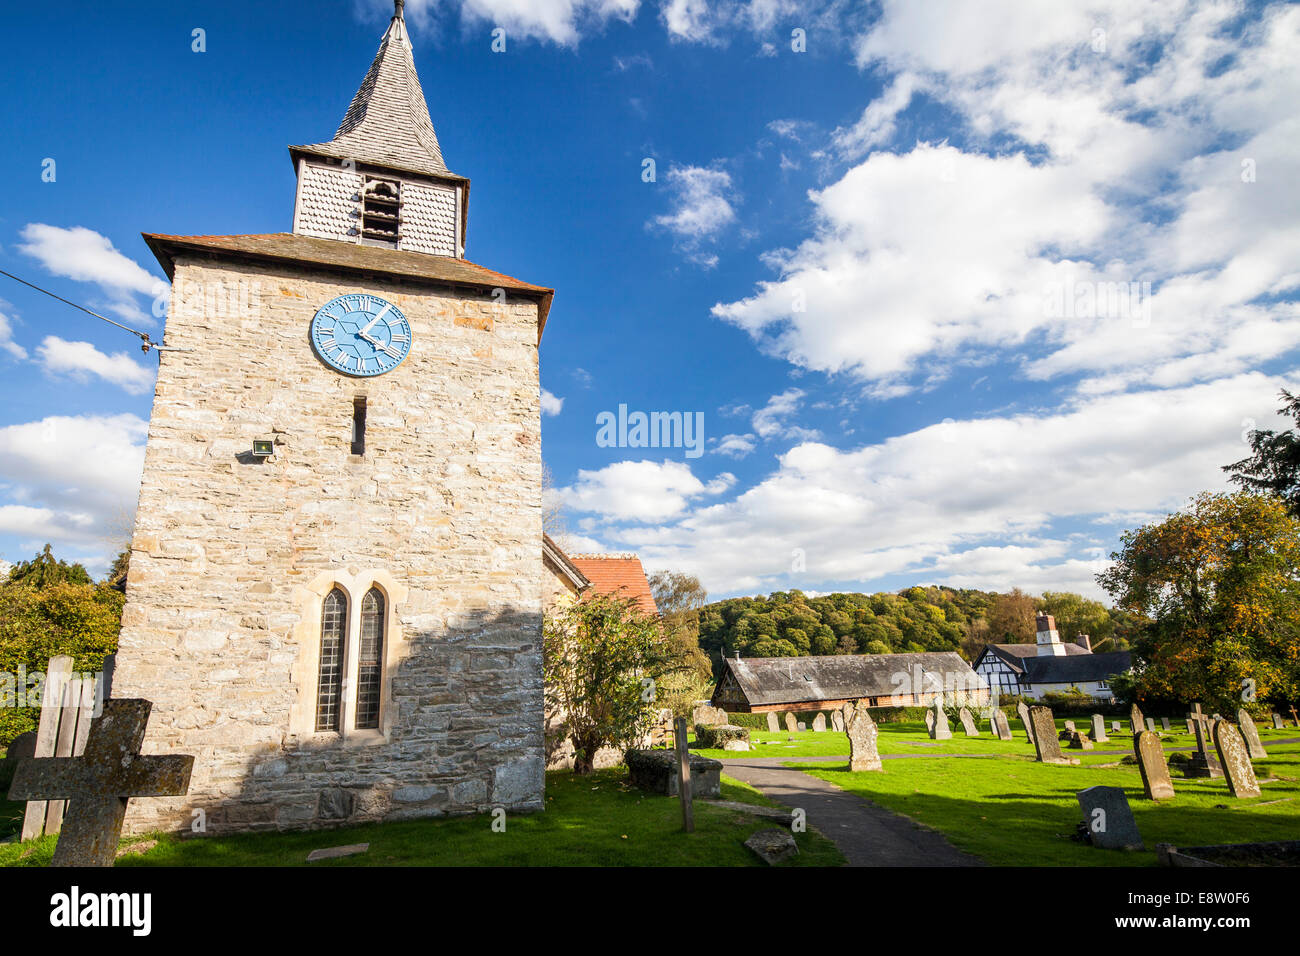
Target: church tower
335,591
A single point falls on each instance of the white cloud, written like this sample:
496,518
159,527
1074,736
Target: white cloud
81,360
877,123
771,421
971,503
735,446
702,207
86,256
7,343
550,404
70,479
639,490
562,22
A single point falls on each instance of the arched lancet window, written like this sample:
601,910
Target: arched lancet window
370,660
333,639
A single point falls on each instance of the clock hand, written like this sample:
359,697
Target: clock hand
381,314
378,345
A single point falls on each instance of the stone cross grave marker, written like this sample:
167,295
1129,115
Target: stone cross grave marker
1000,725
968,723
1109,818
1250,733
1295,718
773,725
791,725
1203,762
941,730
1135,721
98,784
1022,711
1235,760
862,733
837,721
819,723
1151,764
1164,724
1046,745
1278,722
1099,729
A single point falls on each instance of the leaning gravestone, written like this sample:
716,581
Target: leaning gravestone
98,784
1000,725
1203,762
1164,724
1236,761
1190,728
1080,741
1099,729
1135,721
863,754
1250,733
929,723
791,725
819,723
1109,818
1278,722
837,721
941,730
968,723
773,725
1046,745
1151,764
1022,711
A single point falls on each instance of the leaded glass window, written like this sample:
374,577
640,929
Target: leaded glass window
333,639
370,660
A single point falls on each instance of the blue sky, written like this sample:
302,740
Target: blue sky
961,290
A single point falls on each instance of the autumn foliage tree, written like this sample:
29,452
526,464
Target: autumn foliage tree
1219,584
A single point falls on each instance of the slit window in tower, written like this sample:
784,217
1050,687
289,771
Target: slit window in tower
359,425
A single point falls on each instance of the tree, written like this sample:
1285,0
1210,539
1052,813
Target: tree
679,598
1273,466
1011,618
1076,615
603,660
45,570
1218,585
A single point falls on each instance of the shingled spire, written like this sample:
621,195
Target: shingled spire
388,122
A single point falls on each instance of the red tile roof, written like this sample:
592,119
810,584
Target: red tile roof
618,574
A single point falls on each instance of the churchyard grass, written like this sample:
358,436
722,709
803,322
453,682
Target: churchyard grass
1013,811
598,820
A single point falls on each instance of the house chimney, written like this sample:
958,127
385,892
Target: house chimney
1084,641
1049,641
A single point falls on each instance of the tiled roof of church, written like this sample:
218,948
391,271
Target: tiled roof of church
617,574
388,122
766,681
329,253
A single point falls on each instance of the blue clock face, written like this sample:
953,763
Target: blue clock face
361,335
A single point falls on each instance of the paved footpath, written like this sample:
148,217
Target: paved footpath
866,834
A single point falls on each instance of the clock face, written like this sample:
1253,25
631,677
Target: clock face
361,335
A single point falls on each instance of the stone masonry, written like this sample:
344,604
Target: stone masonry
232,554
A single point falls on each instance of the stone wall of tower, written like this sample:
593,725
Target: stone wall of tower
329,207
230,552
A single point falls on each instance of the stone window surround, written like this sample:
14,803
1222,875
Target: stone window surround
310,600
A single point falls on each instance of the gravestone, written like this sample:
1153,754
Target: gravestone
819,724
1164,724
1114,726
1047,747
1203,762
968,723
98,784
1022,711
941,730
707,715
1079,741
1000,725
929,723
1236,761
24,745
1295,718
773,846
1109,819
1190,728
1151,764
1099,729
1278,722
837,721
863,754
1250,733
802,725
1135,721
1151,724
335,852
773,725
791,725
1069,726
